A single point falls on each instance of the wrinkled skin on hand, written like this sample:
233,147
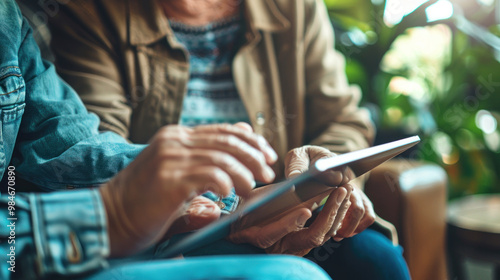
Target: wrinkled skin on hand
346,212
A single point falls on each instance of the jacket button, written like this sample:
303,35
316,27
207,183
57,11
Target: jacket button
261,120
221,204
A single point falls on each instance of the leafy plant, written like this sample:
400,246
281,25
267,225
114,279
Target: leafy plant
438,80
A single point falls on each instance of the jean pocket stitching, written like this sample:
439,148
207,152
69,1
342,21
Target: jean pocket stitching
12,114
13,86
10,92
17,72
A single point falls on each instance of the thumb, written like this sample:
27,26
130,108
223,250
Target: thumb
296,162
201,212
300,159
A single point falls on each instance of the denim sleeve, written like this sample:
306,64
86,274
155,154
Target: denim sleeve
49,236
58,142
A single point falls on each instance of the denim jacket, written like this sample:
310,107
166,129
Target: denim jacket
78,155
51,235
52,141
58,143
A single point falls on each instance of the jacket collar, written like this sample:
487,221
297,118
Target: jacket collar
147,23
264,15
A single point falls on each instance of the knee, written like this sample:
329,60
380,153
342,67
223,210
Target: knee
368,255
376,255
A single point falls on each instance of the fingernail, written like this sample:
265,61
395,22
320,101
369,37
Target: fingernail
334,233
338,239
301,221
294,173
198,210
268,149
347,177
272,153
202,209
269,173
253,184
341,198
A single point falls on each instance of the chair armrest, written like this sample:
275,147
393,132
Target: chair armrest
412,196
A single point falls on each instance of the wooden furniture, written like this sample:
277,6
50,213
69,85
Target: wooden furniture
474,233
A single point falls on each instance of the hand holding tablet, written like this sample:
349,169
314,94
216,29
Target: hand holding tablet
278,199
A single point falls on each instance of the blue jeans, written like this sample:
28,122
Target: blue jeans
368,255
219,267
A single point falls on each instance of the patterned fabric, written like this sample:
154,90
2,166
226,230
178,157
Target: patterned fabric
211,93
212,96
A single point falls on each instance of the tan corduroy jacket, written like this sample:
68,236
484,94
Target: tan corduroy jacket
123,59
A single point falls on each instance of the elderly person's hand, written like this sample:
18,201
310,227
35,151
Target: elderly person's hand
200,212
288,235
347,211
360,214
180,163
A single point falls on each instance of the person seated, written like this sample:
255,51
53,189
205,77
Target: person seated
141,65
52,141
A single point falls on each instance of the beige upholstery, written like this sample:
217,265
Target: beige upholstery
412,196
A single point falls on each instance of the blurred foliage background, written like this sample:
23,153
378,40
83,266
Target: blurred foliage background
430,68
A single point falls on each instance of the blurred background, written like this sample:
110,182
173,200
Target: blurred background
430,68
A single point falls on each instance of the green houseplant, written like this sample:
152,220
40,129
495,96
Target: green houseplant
437,79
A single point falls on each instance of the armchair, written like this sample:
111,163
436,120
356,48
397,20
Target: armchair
412,196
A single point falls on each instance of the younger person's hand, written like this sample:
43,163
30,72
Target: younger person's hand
143,200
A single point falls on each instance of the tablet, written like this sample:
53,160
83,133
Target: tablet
360,162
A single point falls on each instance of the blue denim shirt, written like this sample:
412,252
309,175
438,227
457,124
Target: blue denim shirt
53,142
70,237
58,142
